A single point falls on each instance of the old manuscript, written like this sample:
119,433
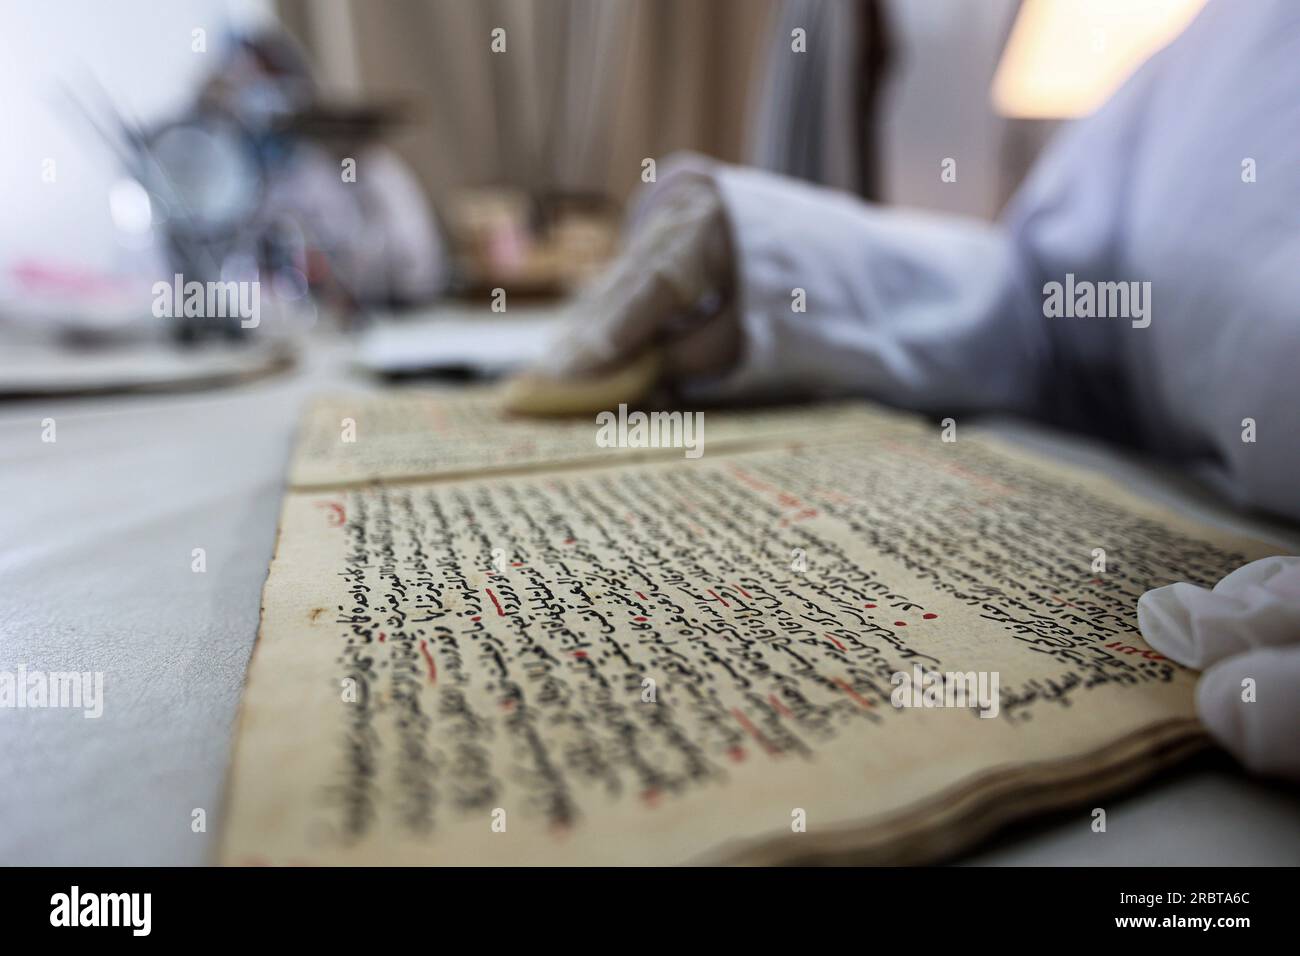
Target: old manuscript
488,642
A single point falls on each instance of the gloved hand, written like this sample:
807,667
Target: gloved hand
1245,635
671,288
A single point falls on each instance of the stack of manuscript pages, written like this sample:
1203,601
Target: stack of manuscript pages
833,636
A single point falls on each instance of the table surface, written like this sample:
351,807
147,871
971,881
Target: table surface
96,537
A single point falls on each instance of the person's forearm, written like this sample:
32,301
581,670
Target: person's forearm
835,296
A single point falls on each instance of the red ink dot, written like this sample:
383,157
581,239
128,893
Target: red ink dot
929,617
568,540
581,655
476,618
640,618
868,605
900,624
381,637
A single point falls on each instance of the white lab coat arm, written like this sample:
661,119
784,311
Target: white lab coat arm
913,309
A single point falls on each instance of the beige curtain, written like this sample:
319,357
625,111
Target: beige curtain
585,90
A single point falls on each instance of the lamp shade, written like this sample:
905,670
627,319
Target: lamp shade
1066,57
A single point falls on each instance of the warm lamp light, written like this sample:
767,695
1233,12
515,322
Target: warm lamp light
1065,57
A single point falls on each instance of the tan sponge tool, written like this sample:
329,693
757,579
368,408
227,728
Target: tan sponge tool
538,395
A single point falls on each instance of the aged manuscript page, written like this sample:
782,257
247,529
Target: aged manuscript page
484,642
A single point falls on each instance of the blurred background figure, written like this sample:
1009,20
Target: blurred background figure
252,177
258,179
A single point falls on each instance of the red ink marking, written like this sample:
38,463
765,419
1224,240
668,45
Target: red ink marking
929,617
988,485
428,659
650,796
745,478
507,705
568,540
516,564
476,618
337,516
640,617
716,598
837,643
500,609
848,689
776,703
755,733
736,753
743,591
580,655
642,596
1130,649
868,605
835,496
382,636
900,624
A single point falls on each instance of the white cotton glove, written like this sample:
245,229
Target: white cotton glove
670,288
1246,629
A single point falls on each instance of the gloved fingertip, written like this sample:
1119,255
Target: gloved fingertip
1166,623
1250,705
1279,572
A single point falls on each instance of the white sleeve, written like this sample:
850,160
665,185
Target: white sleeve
915,310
